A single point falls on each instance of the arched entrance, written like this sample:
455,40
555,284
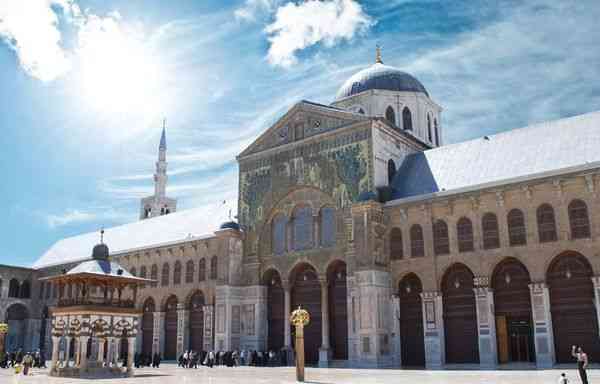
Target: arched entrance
306,292
460,318
171,328
412,350
572,306
16,315
148,326
512,306
275,310
196,308
338,310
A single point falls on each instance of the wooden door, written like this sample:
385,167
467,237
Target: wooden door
196,322
307,293
460,318
170,351
338,315
411,322
275,316
502,337
572,306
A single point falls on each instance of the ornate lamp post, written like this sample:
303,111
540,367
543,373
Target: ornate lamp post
3,332
300,318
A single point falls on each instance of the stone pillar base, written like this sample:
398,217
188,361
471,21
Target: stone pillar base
324,357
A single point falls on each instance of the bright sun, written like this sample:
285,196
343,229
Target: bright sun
119,72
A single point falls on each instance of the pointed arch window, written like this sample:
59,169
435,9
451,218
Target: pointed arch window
202,270
213,268
407,119
546,223
154,274
464,229
429,136
579,219
417,245
189,271
491,236
164,277
441,243
25,291
391,171
390,115
303,228
13,288
278,232
327,227
436,131
517,234
396,247
177,273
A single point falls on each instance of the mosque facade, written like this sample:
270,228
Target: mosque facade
405,251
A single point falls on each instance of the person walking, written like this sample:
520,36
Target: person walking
582,362
27,363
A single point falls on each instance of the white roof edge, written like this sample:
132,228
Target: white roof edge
129,250
472,188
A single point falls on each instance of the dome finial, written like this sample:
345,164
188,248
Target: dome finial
378,55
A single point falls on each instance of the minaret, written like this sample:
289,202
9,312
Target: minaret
159,204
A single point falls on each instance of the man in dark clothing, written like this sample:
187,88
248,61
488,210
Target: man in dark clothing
582,362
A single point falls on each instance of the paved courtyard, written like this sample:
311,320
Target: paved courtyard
171,374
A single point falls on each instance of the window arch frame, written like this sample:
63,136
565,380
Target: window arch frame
429,135
407,123
165,273
154,274
546,223
279,223
441,238
517,228
300,213
396,244
177,269
417,241
327,238
490,231
579,226
436,132
214,268
202,269
390,115
190,271
464,235
391,169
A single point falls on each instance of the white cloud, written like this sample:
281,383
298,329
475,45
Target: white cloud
298,26
76,216
31,29
252,9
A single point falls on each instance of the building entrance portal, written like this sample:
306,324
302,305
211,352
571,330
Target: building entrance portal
148,327
306,292
412,351
196,308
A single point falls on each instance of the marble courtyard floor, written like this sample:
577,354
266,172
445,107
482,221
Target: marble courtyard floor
171,374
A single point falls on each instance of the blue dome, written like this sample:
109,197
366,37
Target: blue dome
100,252
379,76
230,225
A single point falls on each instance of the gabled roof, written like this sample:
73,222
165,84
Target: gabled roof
534,151
161,230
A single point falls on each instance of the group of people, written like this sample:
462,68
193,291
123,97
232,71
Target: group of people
233,358
23,361
146,360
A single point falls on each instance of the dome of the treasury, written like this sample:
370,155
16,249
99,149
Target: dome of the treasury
380,76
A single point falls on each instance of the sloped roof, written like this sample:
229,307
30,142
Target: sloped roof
161,230
560,145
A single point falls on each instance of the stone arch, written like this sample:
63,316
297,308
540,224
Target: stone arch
338,308
510,281
148,308
306,292
15,317
412,347
170,308
13,288
574,319
276,324
460,318
195,303
390,115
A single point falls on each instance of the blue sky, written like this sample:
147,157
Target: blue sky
85,84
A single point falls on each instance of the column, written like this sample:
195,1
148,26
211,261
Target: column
433,329
55,345
83,354
100,357
287,310
324,350
396,341
110,352
542,325
208,327
76,348
182,329
130,353
486,323
156,333
67,351
596,282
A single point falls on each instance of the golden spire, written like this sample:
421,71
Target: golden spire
378,55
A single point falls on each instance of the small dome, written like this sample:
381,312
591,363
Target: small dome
100,251
230,225
379,76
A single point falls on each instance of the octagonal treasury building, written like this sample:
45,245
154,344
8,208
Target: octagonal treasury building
405,251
